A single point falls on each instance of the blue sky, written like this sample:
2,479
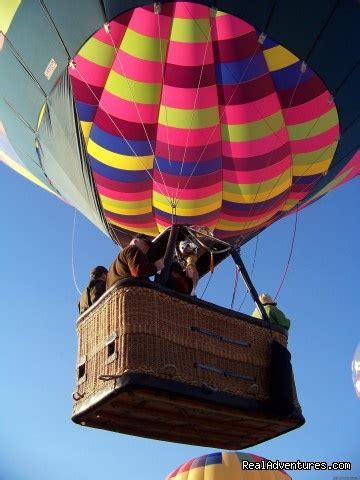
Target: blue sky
38,441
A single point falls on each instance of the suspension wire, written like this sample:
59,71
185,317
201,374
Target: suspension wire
117,57
290,256
207,37
252,272
208,282
72,253
236,280
117,128
163,93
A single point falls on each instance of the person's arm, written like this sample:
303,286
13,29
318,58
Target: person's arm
139,264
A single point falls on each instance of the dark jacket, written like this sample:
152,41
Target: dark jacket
131,262
91,294
178,280
275,315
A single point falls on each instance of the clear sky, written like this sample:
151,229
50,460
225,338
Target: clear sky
38,441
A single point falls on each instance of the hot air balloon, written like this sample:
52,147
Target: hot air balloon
226,466
355,368
194,121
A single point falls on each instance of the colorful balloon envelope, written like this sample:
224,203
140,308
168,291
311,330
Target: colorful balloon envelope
146,116
225,466
355,368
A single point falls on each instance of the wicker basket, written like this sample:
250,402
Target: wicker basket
161,365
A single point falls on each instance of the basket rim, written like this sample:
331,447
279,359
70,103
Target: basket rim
136,283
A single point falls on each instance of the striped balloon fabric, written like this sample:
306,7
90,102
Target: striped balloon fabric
192,116
225,466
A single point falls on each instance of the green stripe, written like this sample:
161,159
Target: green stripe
133,91
253,130
307,159
190,30
98,52
313,127
202,118
145,48
253,188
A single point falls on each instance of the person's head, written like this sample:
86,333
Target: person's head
98,273
266,299
142,242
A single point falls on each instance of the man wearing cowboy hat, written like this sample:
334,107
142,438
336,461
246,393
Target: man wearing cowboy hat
275,315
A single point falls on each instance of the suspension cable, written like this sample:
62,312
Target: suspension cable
72,253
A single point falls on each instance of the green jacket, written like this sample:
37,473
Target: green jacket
275,315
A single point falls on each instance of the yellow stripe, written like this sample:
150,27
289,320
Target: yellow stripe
8,10
98,52
189,204
132,90
117,160
187,30
229,226
289,205
180,118
126,208
279,57
252,130
152,232
86,128
313,127
186,212
316,168
145,48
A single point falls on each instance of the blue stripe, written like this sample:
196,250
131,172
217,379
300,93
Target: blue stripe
119,145
241,70
290,76
185,169
116,174
85,111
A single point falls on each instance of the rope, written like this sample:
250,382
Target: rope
72,253
252,272
290,256
236,280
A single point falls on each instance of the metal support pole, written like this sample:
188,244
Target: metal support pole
242,269
169,254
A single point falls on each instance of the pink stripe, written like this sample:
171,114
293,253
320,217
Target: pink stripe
123,196
309,110
137,69
197,137
189,54
146,23
184,98
90,72
129,222
190,10
213,150
258,176
127,110
115,36
228,26
315,143
191,194
250,112
257,147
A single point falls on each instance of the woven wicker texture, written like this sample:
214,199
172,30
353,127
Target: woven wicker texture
170,338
